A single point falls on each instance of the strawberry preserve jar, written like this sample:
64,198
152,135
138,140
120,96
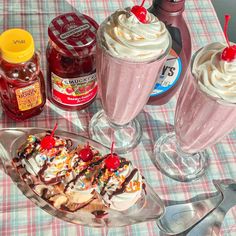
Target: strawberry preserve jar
71,61
22,88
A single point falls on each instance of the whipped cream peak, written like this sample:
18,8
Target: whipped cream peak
124,36
215,76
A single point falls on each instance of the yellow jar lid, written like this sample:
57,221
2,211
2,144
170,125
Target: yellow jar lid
17,45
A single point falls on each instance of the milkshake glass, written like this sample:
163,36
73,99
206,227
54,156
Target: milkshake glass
205,112
130,55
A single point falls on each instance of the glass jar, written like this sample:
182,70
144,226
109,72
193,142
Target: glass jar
22,88
71,67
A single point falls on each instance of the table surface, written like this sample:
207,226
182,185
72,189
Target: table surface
18,215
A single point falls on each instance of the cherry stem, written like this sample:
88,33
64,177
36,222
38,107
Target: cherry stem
142,3
227,18
88,144
54,129
112,147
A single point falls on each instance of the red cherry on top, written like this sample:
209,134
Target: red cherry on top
86,154
112,161
48,142
229,53
140,12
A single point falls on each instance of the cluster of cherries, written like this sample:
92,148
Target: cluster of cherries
112,161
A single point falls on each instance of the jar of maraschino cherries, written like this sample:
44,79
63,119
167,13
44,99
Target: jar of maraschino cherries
71,61
22,88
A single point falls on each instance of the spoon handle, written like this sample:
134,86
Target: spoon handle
181,217
211,224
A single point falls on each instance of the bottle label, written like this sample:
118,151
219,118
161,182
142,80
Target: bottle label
28,97
74,91
170,74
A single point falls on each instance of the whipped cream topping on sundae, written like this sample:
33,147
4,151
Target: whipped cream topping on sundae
122,188
63,179
124,36
215,76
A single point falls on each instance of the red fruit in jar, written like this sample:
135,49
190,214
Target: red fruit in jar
140,12
229,53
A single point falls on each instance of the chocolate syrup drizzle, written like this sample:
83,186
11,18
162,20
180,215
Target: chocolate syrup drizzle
124,184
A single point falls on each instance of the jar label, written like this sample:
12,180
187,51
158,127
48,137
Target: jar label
28,97
74,91
170,74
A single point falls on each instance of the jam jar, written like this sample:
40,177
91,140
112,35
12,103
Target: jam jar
22,88
71,66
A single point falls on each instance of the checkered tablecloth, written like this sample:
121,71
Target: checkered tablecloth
18,215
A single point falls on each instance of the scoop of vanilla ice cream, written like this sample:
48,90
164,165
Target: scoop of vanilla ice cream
121,189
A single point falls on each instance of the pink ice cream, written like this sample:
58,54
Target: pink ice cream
130,55
206,108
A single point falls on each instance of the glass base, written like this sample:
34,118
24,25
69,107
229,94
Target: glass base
177,164
126,137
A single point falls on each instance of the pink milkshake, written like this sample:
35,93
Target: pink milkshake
206,109
205,112
125,86
130,55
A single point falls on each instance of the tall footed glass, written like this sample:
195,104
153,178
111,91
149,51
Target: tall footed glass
124,86
205,112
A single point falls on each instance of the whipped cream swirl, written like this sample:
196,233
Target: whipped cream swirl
124,36
215,76
121,189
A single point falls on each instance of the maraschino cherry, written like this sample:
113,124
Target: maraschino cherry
112,161
140,12
229,53
86,154
48,142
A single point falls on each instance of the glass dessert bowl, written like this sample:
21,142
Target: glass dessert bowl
76,179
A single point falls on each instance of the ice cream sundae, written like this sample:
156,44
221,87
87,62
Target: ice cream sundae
71,177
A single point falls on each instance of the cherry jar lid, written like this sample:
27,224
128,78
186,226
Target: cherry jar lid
74,34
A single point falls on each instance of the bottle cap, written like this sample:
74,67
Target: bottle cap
74,34
17,45
170,5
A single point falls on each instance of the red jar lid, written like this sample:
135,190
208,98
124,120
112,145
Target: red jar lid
74,34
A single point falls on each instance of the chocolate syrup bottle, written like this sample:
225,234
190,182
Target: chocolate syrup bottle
175,68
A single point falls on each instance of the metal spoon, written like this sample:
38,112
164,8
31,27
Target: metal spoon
181,217
212,223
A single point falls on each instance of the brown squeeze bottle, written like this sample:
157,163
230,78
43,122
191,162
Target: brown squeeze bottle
174,70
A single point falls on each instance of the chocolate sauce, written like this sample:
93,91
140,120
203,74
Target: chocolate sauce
104,186
124,184
99,214
74,180
175,69
76,206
